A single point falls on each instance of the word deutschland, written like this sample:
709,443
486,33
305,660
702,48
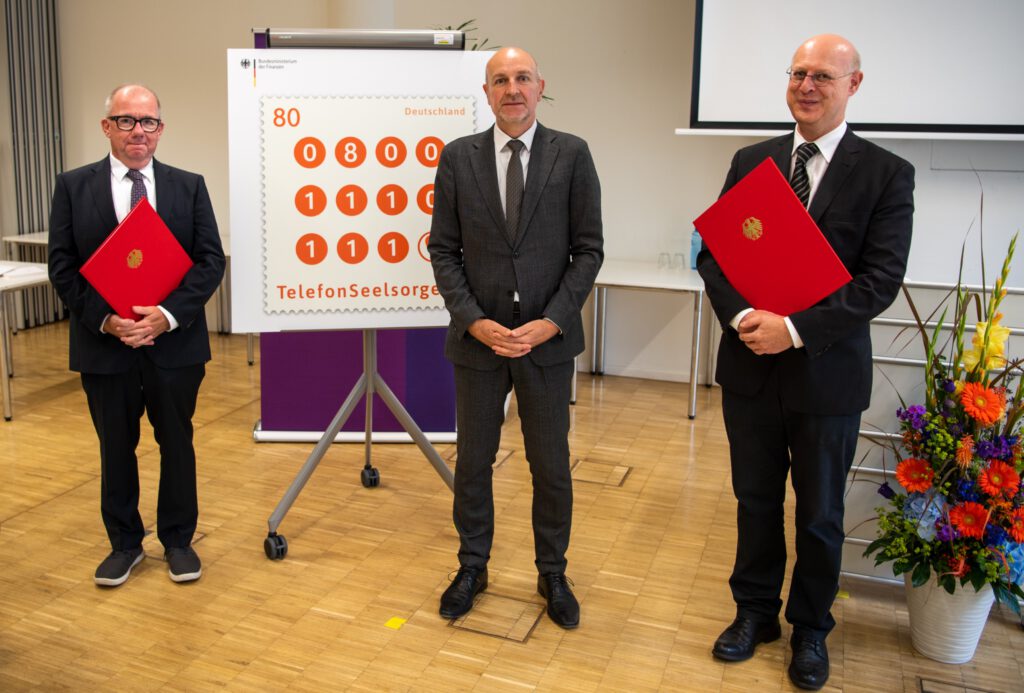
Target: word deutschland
387,289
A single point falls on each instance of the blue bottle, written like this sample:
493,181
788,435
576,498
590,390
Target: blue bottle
695,243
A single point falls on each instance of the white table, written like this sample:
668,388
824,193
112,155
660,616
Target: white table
14,276
647,276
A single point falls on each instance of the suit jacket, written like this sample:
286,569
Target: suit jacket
864,206
82,216
552,262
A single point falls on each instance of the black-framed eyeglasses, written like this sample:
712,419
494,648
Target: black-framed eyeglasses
127,123
820,79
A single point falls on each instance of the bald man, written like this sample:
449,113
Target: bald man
515,244
794,386
153,364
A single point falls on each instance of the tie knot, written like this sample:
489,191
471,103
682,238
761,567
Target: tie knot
516,145
805,151
136,175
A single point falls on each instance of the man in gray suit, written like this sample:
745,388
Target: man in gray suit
515,245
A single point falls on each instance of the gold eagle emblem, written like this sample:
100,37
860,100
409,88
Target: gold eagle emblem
752,228
135,258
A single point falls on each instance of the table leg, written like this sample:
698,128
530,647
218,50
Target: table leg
698,307
5,347
600,314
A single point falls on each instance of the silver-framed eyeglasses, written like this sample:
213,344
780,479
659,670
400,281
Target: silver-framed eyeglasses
127,123
820,79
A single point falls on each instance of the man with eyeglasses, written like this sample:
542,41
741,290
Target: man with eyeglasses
794,386
155,364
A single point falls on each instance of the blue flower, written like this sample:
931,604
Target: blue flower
914,415
967,491
946,532
949,385
1015,557
926,508
995,535
885,490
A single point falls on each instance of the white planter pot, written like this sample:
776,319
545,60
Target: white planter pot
946,627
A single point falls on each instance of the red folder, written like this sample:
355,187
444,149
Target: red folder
139,263
769,248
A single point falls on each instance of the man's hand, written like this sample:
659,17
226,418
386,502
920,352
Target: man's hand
136,333
534,333
498,338
764,332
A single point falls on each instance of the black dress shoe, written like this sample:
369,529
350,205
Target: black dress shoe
737,642
563,608
458,598
809,667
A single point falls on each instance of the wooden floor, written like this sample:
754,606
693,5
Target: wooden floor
354,604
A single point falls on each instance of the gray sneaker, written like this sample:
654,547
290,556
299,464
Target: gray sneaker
116,567
183,564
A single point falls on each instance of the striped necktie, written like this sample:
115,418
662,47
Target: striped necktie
799,180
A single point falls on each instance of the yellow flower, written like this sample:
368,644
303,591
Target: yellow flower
994,348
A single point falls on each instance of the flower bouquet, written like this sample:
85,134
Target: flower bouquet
961,457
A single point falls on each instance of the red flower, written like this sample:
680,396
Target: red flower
983,404
999,479
965,452
970,519
914,474
1017,525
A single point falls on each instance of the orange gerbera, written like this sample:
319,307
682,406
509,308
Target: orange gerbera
983,404
914,474
1017,525
965,452
970,519
999,479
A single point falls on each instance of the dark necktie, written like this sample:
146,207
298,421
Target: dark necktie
800,182
138,187
514,188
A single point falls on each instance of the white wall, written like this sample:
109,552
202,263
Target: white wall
620,75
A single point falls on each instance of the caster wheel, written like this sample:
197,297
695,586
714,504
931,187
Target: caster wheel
370,477
275,546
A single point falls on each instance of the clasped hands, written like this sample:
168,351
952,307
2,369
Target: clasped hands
764,332
512,343
136,333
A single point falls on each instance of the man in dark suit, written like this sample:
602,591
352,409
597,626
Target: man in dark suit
515,244
154,364
794,386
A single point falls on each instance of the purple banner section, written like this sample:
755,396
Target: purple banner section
306,376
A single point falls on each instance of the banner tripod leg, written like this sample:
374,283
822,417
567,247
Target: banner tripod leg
370,382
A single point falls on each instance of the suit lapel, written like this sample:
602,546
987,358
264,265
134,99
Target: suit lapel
842,164
485,171
102,194
162,176
542,160
783,155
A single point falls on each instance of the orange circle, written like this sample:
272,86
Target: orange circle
392,247
392,199
421,246
309,152
428,151
353,248
310,200
425,198
311,249
351,200
350,152
391,152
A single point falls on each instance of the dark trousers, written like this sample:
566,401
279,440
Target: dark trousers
543,397
767,442
116,403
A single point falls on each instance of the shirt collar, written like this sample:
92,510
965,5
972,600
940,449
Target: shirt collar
118,170
501,139
827,143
